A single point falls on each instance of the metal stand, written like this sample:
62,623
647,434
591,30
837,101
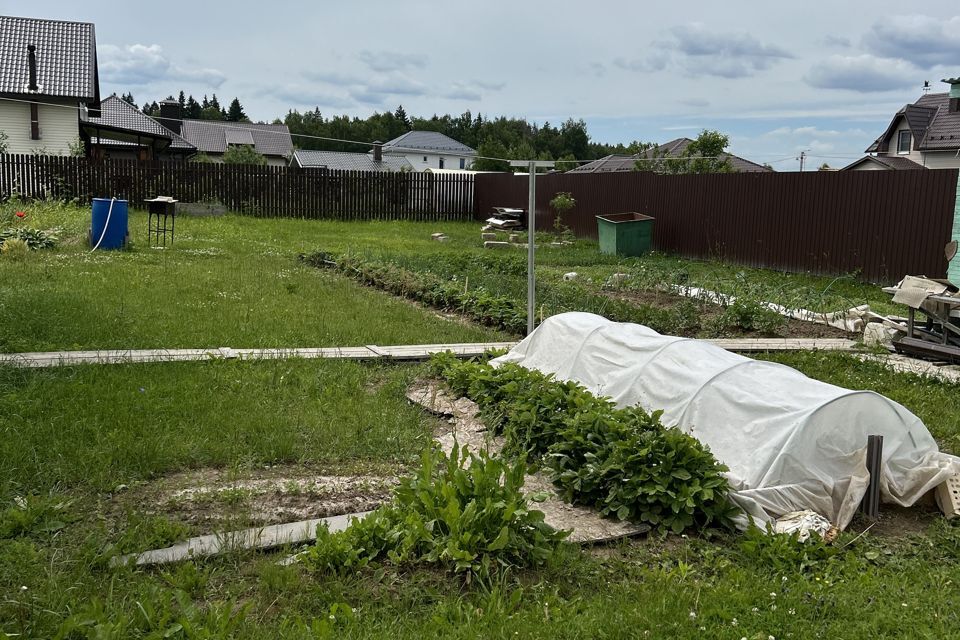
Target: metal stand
160,211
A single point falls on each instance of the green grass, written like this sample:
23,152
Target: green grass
70,436
96,427
231,281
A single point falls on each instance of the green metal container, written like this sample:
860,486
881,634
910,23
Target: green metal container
625,234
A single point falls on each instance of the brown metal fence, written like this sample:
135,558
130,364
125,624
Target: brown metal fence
250,189
878,224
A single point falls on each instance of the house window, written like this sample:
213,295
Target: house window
463,163
441,163
424,158
903,142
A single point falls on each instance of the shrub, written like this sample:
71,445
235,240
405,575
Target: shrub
622,461
15,249
464,512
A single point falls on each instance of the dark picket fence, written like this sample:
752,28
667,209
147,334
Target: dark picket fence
255,190
878,224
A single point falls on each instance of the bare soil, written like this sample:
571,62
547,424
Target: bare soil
214,499
709,312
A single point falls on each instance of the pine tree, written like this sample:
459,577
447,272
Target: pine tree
182,99
235,112
193,109
401,115
128,98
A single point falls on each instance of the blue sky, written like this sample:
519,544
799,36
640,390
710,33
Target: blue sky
779,78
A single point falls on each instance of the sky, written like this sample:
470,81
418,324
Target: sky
779,78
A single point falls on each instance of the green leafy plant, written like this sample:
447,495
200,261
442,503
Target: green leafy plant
4,141
562,202
33,238
243,154
464,512
622,461
783,553
30,515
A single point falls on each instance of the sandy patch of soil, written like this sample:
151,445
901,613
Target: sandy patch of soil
210,499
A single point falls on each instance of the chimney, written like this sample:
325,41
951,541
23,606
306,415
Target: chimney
954,94
377,151
170,115
32,64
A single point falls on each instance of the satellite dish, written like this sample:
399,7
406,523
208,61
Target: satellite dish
950,250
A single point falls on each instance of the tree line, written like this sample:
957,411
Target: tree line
191,109
496,140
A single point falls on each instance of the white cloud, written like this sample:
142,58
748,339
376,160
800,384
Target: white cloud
140,64
922,40
392,60
865,73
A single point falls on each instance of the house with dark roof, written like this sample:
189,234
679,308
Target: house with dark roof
921,135
49,82
343,160
214,137
123,131
430,149
673,149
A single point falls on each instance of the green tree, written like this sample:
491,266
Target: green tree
4,141
243,154
706,154
192,109
128,98
235,112
401,115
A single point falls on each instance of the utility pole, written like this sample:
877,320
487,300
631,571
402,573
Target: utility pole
531,239
803,155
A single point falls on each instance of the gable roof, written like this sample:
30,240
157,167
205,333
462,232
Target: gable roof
345,160
211,136
897,163
414,141
66,54
674,148
121,122
931,123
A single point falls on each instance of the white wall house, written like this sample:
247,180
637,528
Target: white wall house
430,150
922,135
48,79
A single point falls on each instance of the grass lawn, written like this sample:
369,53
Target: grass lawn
85,452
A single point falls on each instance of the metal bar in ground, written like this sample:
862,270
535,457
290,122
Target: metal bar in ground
870,506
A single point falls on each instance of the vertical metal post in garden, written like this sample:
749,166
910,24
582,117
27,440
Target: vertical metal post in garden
531,235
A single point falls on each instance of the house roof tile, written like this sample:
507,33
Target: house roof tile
210,136
413,141
672,149
348,161
933,125
66,54
890,162
119,114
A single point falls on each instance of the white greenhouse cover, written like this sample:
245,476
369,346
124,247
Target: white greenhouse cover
791,442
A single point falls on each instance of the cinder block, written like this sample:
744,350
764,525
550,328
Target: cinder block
491,244
488,236
948,496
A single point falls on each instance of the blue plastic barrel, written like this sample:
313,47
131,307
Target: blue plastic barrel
116,232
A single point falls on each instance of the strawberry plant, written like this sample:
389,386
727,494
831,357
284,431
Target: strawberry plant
624,462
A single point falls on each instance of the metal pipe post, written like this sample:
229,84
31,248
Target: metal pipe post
531,250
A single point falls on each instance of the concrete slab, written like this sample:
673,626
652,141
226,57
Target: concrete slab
257,538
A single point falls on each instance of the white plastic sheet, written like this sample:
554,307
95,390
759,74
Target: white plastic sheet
791,443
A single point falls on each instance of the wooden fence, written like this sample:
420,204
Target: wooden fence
255,190
878,224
